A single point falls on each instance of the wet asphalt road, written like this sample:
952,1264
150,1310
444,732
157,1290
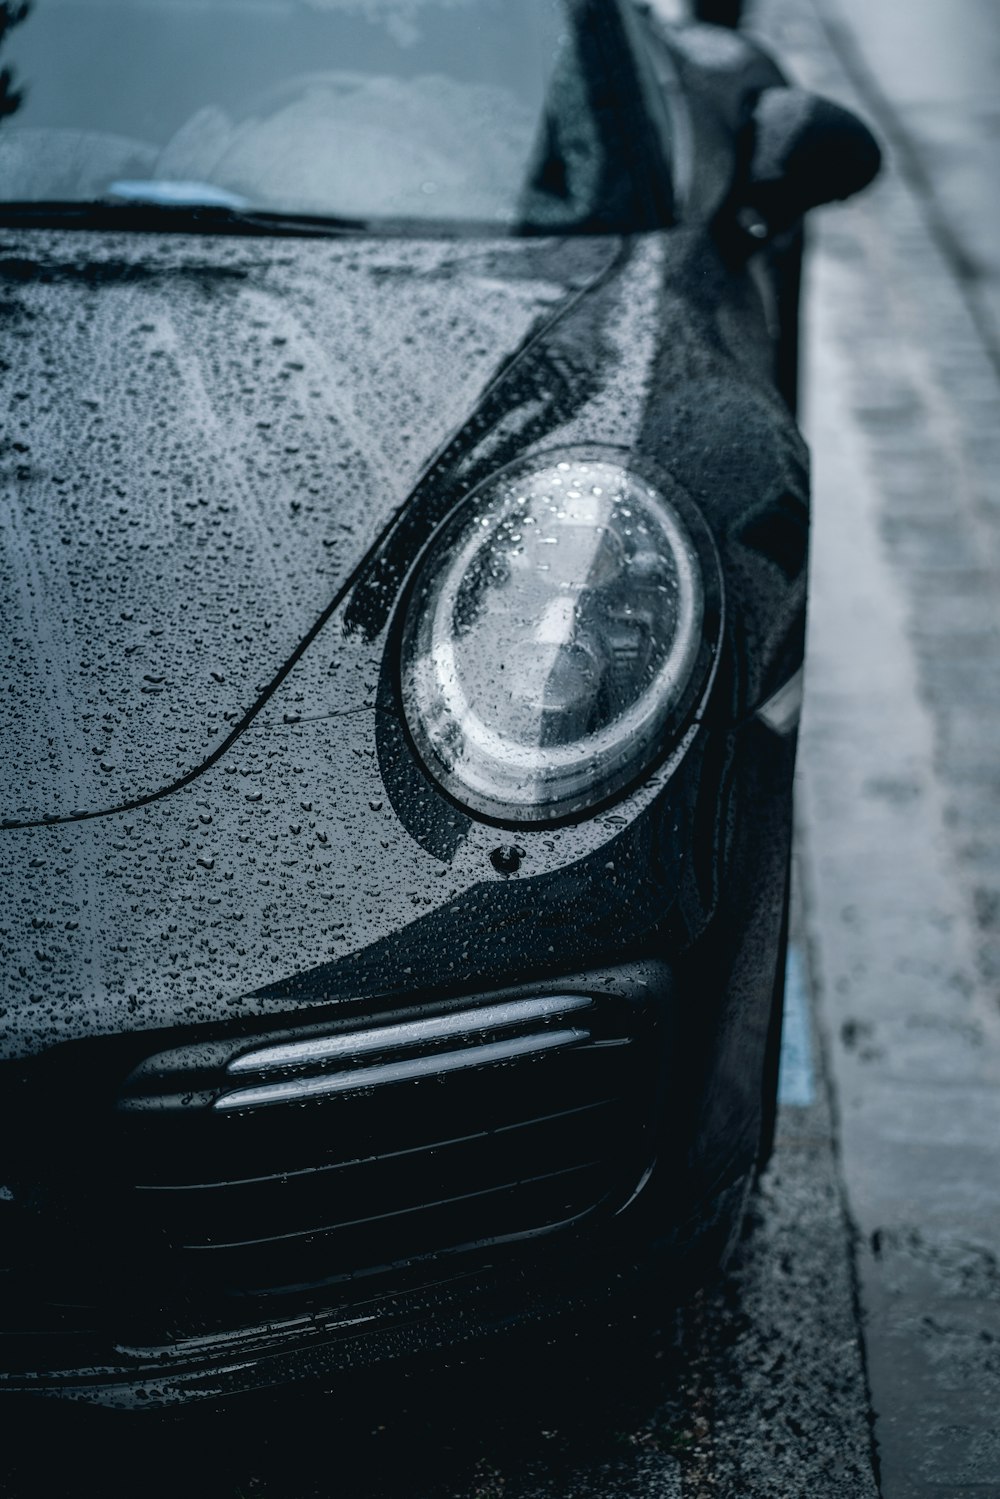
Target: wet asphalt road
851,1348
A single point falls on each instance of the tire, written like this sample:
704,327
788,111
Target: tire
772,1047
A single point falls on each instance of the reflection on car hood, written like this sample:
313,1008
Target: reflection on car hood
205,438
311,864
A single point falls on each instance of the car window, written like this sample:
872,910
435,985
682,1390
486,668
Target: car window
516,114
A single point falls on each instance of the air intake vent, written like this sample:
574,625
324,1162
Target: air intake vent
285,1163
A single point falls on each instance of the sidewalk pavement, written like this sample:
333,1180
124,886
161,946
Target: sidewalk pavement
900,777
930,71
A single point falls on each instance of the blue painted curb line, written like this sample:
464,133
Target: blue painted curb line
796,1079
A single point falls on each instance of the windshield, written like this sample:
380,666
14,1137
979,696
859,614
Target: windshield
515,115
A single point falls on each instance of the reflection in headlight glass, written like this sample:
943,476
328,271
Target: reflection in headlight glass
554,625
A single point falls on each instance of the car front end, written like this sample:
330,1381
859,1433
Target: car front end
496,1061
406,632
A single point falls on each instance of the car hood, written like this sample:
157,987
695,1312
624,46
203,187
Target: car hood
308,862
206,437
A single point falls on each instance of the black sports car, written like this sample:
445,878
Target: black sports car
404,538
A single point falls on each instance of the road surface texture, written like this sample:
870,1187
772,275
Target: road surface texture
853,1348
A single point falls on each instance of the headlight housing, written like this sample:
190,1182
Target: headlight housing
557,625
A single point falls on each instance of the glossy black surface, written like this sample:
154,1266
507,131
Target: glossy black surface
223,456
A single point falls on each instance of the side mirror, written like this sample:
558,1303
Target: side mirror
806,151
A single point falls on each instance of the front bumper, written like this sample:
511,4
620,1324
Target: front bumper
211,1250
162,1250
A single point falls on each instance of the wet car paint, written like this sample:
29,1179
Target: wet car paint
254,415
250,846
265,873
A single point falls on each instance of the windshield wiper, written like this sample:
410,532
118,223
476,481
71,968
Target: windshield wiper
138,214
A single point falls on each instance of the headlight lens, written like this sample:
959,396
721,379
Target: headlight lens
555,624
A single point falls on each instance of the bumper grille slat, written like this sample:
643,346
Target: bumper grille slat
328,1230
295,1054
412,1069
283,1178
408,1180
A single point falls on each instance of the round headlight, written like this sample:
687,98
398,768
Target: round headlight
554,626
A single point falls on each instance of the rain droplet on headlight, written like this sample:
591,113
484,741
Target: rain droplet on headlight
555,623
